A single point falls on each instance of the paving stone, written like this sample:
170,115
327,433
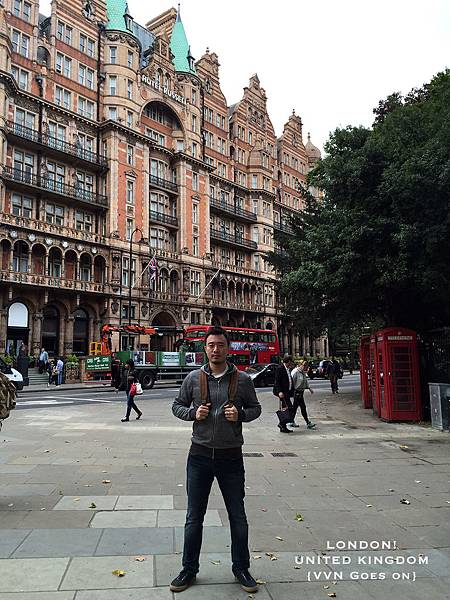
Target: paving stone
62,519
10,539
214,539
437,535
16,468
15,489
177,518
96,573
144,502
27,502
127,541
314,591
437,589
129,594
84,503
38,596
223,592
32,575
125,518
59,543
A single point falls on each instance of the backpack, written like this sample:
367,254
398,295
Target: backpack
7,396
232,386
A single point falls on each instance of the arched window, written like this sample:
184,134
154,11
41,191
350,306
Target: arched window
54,263
85,267
21,257
163,281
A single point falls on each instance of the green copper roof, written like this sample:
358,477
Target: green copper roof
180,48
116,10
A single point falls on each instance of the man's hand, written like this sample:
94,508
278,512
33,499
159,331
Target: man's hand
281,395
231,413
202,412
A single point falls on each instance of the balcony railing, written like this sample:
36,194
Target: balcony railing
53,282
52,228
163,218
233,239
163,183
283,227
59,188
233,210
51,142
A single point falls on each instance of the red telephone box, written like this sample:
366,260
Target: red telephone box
397,375
373,366
364,370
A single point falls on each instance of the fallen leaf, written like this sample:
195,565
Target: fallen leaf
92,505
76,499
87,485
256,557
417,481
104,471
332,595
264,509
139,558
9,505
43,508
45,451
250,597
404,501
145,465
260,581
391,490
215,562
274,558
369,505
403,447
298,517
297,567
106,481
326,587
448,501
179,485
279,538
118,573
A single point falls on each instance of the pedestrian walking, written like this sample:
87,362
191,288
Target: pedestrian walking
218,398
334,372
283,389
131,380
60,371
300,383
43,360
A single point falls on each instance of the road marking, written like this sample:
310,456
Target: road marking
43,402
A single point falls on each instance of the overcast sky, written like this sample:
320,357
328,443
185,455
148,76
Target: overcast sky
330,60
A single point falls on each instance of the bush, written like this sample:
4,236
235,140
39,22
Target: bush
72,359
7,359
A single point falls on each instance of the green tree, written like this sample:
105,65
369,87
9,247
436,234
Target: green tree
376,249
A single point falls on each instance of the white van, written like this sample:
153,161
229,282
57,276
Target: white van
12,374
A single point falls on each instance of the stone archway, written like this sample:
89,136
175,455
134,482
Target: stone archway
166,341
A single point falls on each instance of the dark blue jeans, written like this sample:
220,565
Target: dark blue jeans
230,474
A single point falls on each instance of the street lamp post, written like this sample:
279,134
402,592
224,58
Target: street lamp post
130,287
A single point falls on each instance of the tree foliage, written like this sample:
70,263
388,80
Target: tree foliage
377,247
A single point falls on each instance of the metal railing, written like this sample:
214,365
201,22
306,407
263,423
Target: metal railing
62,146
233,239
163,218
163,183
231,209
52,185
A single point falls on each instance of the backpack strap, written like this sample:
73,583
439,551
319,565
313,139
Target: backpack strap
203,387
232,386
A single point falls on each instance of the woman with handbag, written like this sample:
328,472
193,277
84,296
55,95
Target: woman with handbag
132,382
283,389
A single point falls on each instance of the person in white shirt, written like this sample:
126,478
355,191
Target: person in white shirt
300,384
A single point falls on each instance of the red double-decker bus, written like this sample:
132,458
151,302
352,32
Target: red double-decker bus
247,346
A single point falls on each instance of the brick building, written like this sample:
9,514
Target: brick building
115,143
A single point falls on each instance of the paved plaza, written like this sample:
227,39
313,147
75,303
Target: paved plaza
83,495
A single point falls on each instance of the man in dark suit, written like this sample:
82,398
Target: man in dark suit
283,387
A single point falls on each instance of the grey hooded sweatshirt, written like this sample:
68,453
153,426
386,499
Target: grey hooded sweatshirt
215,431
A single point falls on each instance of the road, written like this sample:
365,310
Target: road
56,396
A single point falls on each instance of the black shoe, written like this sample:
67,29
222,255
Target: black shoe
139,416
284,429
182,581
247,582
124,420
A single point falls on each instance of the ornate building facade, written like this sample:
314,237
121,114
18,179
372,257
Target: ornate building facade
116,147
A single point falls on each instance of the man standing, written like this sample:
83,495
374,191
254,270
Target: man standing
43,360
283,388
334,372
300,383
59,369
218,398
